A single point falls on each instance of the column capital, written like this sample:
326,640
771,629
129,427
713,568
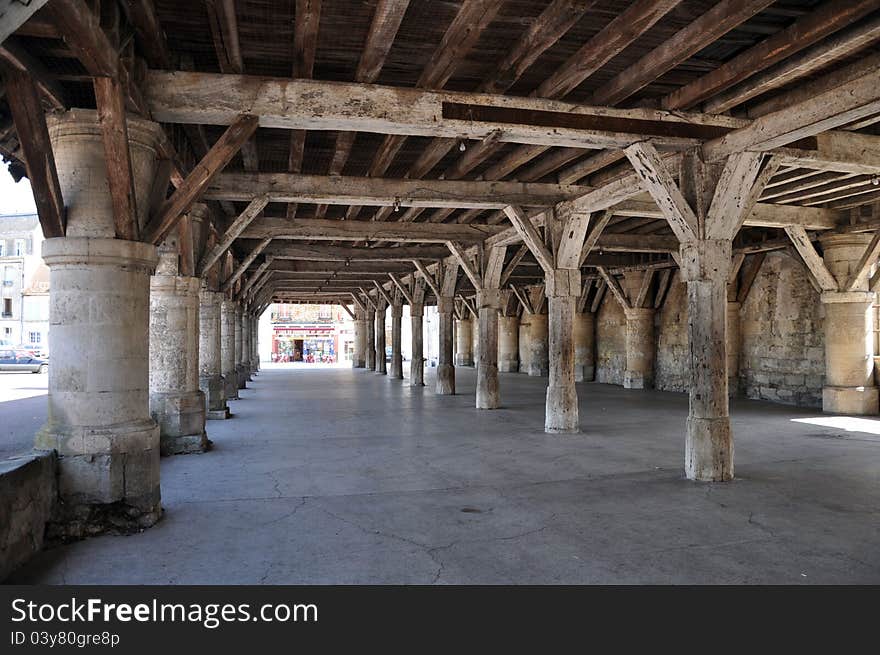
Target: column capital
445,304
705,259
864,297
489,299
562,282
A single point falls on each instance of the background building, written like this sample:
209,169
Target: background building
310,333
24,283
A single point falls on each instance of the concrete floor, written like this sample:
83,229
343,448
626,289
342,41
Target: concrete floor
343,476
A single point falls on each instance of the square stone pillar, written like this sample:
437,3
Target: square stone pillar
417,364
464,342
227,349
396,355
238,344
488,391
849,345
445,365
709,440
371,339
359,356
176,402
381,364
539,353
210,369
99,296
525,344
584,347
562,287
508,344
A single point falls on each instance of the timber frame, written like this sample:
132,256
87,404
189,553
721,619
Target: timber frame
370,143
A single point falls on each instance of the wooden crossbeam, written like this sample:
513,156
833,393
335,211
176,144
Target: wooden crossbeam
615,287
198,180
320,229
597,299
245,264
33,135
347,310
868,259
428,277
466,264
530,237
595,233
232,233
512,264
291,250
382,293
749,274
644,288
523,300
811,258
405,292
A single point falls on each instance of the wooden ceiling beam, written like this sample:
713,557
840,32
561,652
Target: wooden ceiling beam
328,230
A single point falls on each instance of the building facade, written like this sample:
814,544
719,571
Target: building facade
24,294
311,333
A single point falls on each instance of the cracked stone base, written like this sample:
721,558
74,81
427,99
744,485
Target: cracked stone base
72,522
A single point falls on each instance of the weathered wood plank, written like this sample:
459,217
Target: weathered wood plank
232,233
330,230
811,258
530,237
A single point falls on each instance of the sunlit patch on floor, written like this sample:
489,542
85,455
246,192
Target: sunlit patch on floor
847,423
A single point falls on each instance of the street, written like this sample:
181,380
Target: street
22,410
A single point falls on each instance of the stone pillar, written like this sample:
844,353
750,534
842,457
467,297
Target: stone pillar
488,391
255,343
508,344
464,342
176,402
525,344
396,356
417,365
562,287
445,365
210,368
246,345
381,367
227,349
849,348
238,343
99,295
359,357
370,345
539,357
584,347
639,373
709,440
475,339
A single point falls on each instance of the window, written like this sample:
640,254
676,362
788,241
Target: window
2,248
7,307
34,337
19,247
7,332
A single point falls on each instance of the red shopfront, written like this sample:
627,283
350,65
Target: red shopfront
305,343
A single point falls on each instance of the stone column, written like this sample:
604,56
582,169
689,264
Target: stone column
709,440
227,349
381,367
238,343
210,368
849,348
488,391
563,287
639,373
176,402
584,347
396,356
508,344
246,345
475,339
464,342
445,365
734,338
525,344
255,343
417,365
99,295
359,358
539,357
371,339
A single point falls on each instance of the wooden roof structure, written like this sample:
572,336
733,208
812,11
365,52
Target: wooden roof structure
349,138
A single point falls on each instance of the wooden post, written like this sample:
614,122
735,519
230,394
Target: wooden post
445,310
563,286
380,337
396,319
417,311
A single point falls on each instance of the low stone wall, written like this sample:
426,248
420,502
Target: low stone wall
782,353
783,337
28,490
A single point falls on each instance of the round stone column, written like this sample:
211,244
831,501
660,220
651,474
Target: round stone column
539,347
210,347
445,363
381,364
227,349
359,356
98,402
245,346
508,344
396,353
176,402
734,340
475,341
255,343
584,347
370,342
524,342
237,344
849,349
464,342
639,373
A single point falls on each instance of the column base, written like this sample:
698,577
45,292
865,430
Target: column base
850,400
108,478
231,382
561,411
242,376
181,419
508,366
358,364
218,414
464,361
215,393
446,380
584,373
636,380
538,371
708,449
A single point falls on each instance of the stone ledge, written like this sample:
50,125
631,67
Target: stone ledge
28,493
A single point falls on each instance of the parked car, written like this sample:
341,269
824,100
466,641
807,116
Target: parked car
20,360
